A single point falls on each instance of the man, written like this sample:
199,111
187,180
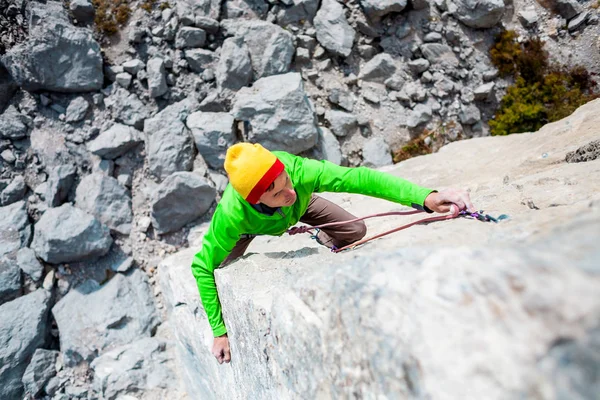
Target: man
269,192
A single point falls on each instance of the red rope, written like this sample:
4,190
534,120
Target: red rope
303,229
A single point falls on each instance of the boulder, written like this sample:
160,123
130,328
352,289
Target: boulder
93,319
83,10
329,146
10,278
376,153
8,87
419,65
171,205
421,114
133,66
169,144
437,53
40,370
187,10
297,10
200,59
375,9
378,69
271,48
14,192
77,109
57,57
15,228
484,92
342,98
24,328
127,108
29,264
279,112
140,368
341,123
245,9
66,234
103,197
188,37
13,124
213,134
157,78
60,181
234,70
469,114
334,32
115,141
479,14
565,8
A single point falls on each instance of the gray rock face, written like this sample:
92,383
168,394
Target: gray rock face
29,264
127,108
139,368
566,8
421,114
375,9
13,124
271,48
115,141
171,205
24,328
39,371
333,30
234,70
188,37
15,231
77,109
60,181
157,78
297,10
10,279
279,112
437,53
213,134
379,69
329,146
341,123
376,153
14,192
103,197
83,10
479,13
93,319
169,144
57,57
66,234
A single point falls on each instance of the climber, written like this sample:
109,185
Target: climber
268,192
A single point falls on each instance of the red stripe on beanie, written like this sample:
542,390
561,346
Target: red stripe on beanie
263,184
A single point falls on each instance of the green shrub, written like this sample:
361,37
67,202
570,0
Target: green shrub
110,14
541,93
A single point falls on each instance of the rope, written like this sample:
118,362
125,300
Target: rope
475,215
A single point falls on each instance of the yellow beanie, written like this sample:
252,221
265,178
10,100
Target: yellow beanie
251,169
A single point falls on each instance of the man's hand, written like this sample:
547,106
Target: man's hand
221,349
449,200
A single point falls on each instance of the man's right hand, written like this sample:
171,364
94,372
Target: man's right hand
221,349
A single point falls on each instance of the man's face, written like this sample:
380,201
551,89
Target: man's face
281,192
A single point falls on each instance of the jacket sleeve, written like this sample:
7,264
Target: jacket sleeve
329,177
217,243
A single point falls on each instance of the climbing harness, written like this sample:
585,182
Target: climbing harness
478,215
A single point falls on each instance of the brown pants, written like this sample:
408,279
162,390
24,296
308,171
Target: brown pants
319,211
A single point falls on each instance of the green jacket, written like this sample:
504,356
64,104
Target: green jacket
234,216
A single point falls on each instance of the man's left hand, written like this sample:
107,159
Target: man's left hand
449,200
